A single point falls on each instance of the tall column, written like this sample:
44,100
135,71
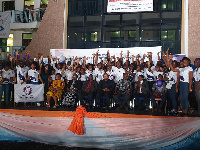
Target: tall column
65,25
184,28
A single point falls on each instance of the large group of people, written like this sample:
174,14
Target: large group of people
105,80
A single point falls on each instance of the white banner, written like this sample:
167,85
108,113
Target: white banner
29,93
69,53
129,5
5,20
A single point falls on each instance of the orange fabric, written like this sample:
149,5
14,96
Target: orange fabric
78,122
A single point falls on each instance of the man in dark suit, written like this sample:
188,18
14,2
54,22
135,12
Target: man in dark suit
141,93
89,88
105,88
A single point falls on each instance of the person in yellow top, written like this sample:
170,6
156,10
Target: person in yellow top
55,90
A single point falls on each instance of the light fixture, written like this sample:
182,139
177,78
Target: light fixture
55,0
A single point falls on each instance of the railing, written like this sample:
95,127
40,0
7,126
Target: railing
11,50
28,15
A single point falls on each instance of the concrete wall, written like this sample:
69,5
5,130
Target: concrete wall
194,30
50,32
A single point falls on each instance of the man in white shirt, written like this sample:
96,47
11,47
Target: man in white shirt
118,72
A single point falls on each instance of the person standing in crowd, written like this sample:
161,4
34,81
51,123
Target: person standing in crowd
7,75
45,73
105,88
186,77
172,85
123,89
22,70
55,91
118,71
141,93
89,89
196,75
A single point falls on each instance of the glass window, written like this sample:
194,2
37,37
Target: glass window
10,40
8,5
92,35
148,18
3,42
130,19
171,5
112,20
150,33
75,35
168,35
44,2
113,34
171,17
76,21
26,38
93,21
29,4
132,34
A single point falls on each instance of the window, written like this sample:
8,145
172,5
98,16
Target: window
132,34
150,33
44,2
171,5
29,4
168,35
112,20
26,38
8,5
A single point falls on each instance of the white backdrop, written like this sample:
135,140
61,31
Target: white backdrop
69,53
129,5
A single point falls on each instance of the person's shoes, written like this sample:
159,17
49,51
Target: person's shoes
55,106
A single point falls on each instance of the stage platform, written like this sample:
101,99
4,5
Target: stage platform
102,130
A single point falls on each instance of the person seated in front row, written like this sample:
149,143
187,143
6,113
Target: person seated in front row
123,89
72,92
141,93
105,88
89,88
159,91
55,90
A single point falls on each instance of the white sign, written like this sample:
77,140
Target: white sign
69,53
5,20
29,93
129,5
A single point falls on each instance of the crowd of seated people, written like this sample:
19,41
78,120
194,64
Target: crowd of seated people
97,84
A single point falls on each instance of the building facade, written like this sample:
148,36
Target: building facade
26,18
172,23
90,26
